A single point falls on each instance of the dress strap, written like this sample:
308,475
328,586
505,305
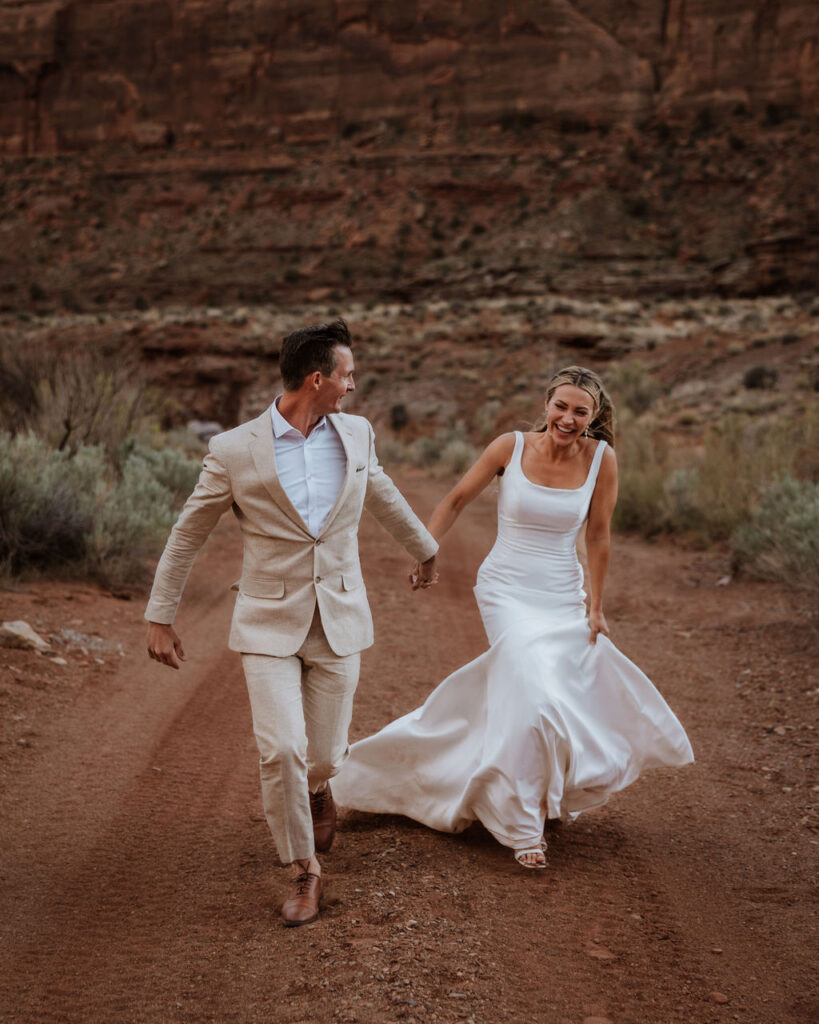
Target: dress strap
597,458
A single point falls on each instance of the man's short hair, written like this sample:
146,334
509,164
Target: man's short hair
309,349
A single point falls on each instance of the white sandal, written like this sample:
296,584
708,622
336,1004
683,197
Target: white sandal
541,849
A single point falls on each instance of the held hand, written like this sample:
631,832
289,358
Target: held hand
597,624
423,575
164,645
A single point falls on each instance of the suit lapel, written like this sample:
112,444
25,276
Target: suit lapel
346,436
263,452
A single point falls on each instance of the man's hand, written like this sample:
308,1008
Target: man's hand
423,575
164,645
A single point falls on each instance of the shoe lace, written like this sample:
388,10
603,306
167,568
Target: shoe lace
318,800
302,884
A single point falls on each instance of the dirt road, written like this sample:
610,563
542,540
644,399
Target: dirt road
139,883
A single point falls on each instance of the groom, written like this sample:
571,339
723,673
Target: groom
297,478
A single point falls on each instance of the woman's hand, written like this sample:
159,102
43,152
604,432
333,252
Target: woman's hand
597,624
423,574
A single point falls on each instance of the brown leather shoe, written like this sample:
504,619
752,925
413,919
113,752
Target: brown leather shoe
302,904
323,811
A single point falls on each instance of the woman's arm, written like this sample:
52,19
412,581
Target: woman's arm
495,457
598,540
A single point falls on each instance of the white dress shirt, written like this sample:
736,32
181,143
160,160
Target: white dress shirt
311,469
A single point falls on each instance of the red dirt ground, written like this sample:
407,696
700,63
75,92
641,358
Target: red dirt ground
139,882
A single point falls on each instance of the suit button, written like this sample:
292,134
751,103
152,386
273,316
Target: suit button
318,579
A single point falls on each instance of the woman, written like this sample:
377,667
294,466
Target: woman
552,719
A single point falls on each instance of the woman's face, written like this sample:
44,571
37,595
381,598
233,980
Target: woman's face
568,412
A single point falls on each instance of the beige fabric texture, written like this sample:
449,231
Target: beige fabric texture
286,571
302,706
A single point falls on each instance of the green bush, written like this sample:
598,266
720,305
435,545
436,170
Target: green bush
168,466
781,539
73,512
643,466
709,494
631,386
457,456
46,504
133,516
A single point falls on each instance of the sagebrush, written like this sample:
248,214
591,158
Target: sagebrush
75,512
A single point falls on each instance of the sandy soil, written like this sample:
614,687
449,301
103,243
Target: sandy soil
139,883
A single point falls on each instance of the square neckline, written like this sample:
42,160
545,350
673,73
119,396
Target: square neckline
548,487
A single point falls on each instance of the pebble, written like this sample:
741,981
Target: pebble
600,953
718,997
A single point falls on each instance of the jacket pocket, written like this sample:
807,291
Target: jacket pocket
352,580
261,586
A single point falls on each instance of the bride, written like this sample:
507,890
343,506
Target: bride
552,719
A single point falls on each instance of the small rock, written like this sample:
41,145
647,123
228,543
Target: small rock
718,997
204,429
723,581
596,1020
58,661
599,952
20,635
716,949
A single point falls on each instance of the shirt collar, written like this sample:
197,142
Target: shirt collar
281,427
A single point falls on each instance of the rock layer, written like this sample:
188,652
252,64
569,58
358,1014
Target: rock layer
156,73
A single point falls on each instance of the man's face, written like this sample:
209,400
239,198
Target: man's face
334,388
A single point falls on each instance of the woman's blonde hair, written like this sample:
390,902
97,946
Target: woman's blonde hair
601,424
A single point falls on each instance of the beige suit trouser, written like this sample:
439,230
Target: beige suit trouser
301,706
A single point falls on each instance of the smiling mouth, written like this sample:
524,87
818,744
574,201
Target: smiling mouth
564,430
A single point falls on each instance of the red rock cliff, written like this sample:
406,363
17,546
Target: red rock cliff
77,74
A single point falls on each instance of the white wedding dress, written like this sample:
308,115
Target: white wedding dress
542,725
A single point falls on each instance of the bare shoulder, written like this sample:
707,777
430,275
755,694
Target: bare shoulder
500,450
608,461
607,474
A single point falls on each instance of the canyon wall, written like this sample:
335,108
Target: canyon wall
77,74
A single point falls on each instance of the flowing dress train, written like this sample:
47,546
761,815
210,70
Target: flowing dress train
542,725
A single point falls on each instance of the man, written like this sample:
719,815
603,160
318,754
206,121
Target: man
297,478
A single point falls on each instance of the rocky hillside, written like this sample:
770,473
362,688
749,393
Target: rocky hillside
321,151
77,73
468,369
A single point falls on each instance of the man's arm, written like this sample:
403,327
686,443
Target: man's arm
211,497
384,501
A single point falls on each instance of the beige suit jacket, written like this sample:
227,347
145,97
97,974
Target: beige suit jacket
285,569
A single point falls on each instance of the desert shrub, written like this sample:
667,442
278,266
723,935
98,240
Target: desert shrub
169,466
399,416
448,452
631,386
132,516
74,512
643,465
710,494
760,377
69,399
392,452
46,504
456,456
781,539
